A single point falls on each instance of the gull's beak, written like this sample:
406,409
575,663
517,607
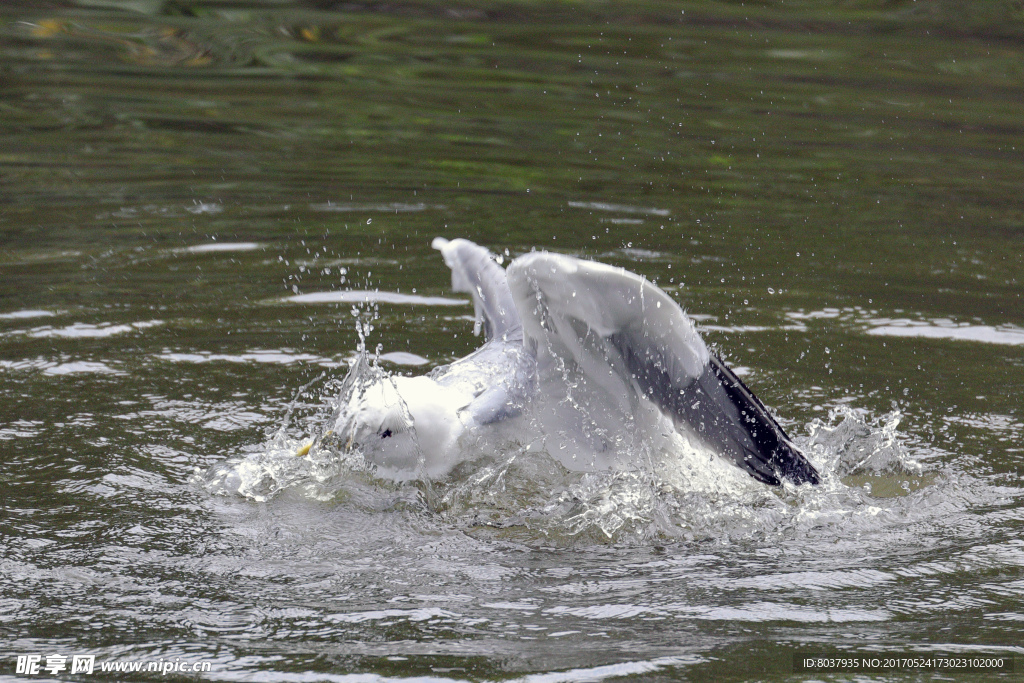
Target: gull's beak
305,449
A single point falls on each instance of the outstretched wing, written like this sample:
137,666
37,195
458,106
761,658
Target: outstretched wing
476,273
626,335
500,373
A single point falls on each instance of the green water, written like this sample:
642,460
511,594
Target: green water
832,189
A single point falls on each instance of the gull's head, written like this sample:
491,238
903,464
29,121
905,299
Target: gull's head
378,424
407,426
378,413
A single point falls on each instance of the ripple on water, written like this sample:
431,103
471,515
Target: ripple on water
920,326
28,313
375,296
272,356
946,329
391,207
81,367
220,247
86,330
20,429
620,208
54,368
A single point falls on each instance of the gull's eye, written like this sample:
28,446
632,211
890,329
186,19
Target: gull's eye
385,434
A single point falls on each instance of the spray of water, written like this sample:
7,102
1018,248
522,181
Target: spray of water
511,488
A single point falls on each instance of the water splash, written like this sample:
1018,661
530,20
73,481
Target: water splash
867,452
513,488
303,452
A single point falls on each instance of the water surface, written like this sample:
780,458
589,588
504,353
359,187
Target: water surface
200,201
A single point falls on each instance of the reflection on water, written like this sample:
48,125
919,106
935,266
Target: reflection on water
942,328
207,206
355,296
946,329
14,315
80,330
221,246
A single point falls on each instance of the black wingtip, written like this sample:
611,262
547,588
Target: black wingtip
720,410
776,456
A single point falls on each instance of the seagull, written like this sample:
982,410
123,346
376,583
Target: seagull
581,356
